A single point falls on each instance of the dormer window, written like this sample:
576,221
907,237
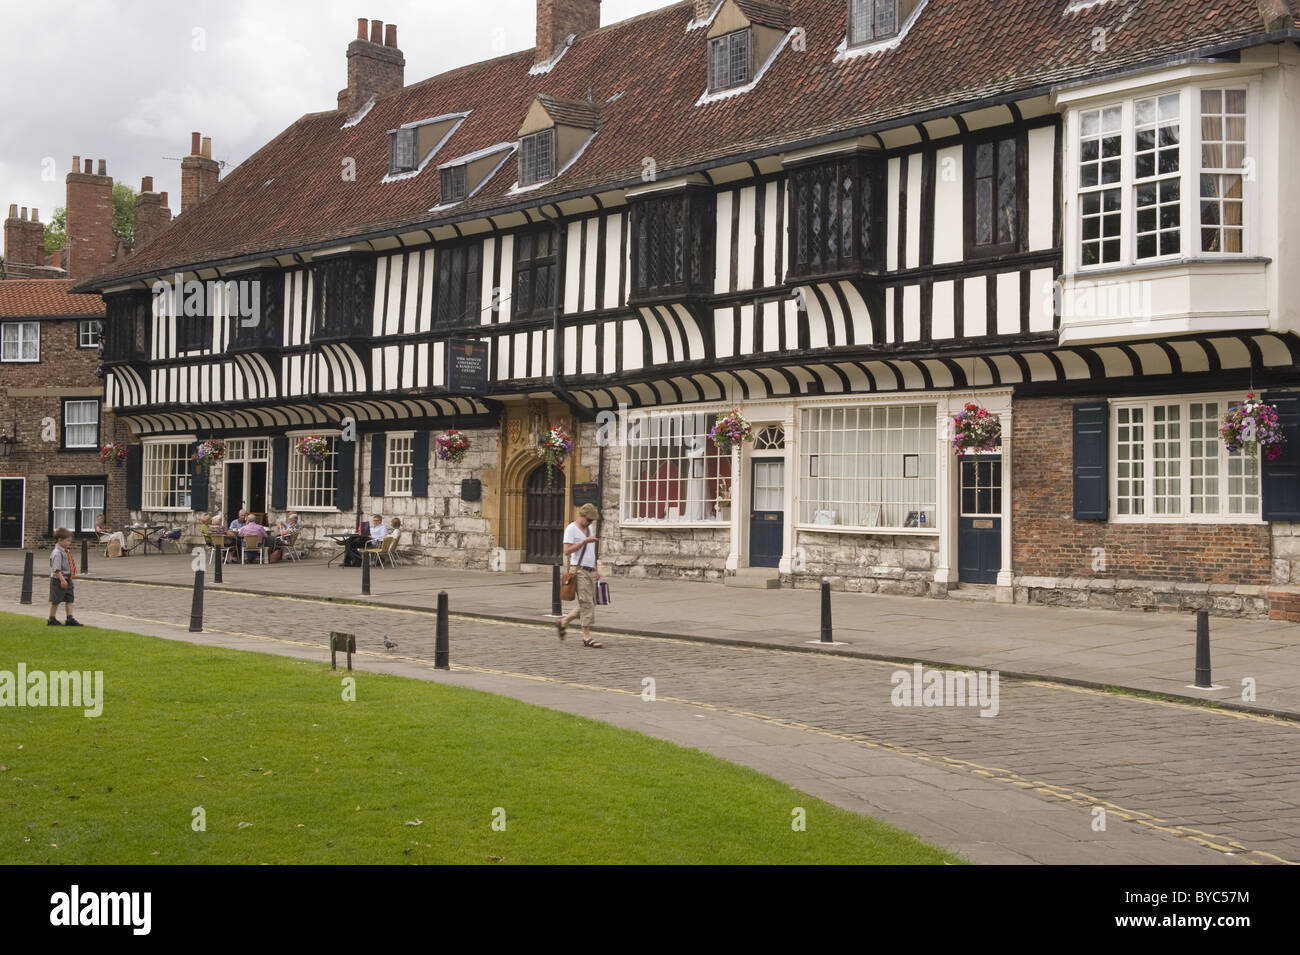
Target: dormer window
453,183
537,158
401,151
730,63
871,20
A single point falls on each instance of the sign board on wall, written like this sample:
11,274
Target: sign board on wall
467,366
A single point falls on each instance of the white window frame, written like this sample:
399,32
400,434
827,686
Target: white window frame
802,464
642,434
1189,164
150,493
393,468
89,333
1185,476
67,404
299,465
33,330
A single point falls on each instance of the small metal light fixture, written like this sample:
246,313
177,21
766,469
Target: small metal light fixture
7,441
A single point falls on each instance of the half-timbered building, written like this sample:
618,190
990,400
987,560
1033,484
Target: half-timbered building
846,218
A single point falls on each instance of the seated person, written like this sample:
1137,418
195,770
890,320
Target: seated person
286,529
377,529
239,521
250,528
107,534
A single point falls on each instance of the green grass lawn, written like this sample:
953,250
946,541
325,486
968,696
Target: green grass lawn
286,771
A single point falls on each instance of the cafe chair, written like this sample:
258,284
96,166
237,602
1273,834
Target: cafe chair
385,549
210,542
254,545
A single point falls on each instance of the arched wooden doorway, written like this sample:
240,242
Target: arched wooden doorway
544,517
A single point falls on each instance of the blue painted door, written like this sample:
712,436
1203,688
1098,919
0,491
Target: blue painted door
979,527
767,512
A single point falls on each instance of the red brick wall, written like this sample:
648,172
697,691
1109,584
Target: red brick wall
63,371
91,240
1048,542
556,19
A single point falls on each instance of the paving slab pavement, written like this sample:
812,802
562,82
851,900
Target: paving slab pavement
1152,652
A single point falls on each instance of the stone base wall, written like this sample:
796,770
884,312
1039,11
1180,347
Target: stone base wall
902,564
1152,596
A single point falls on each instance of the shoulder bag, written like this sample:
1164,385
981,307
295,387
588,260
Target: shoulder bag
569,582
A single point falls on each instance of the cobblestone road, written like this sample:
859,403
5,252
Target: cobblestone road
1225,781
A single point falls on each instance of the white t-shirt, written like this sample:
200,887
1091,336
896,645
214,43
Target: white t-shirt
378,532
573,534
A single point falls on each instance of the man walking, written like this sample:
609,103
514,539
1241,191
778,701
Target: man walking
579,548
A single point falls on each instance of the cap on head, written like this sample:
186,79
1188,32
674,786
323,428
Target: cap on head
589,512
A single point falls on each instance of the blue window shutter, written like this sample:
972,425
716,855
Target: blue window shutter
198,483
1280,479
134,477
378,461
420,464
279,474
1092,461
345,477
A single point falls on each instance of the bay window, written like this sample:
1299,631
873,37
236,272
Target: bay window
836,213
672,471
460,272
672,244
1170,463
1162,177
871,466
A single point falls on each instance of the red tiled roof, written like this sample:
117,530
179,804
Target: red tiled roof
646,76
46,298
565,112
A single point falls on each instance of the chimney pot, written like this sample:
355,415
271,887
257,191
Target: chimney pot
56,258
390,35
90,167
103,167
361,28
207,147
146,184
13,210
162,199
24,214
36,215
194,144
377,31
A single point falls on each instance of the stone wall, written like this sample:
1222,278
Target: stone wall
901,564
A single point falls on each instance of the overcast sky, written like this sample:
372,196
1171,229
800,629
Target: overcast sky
128,80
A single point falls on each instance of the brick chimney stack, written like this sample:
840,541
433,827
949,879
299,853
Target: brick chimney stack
376,67
24,243
703,8
151,214
91,241
1275,14
199,172
557,19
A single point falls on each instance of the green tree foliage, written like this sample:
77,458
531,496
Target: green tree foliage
56,231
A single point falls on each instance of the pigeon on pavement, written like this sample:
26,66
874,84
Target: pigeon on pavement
388,644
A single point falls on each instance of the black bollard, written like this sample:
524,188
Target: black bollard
85,556
196,608
1203,680
556,610
26,596
365,573
441,651
216,571
826,612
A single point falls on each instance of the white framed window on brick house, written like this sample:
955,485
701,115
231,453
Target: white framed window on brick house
75,503
400,465
672,472
311,485
869,466
165,479
1162,177
1168,463
81,424
20,341
89,333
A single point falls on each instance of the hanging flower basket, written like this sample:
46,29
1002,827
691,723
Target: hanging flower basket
452,446
553,449
314,448
208,454
975,430
1254,426
731,430
113,453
